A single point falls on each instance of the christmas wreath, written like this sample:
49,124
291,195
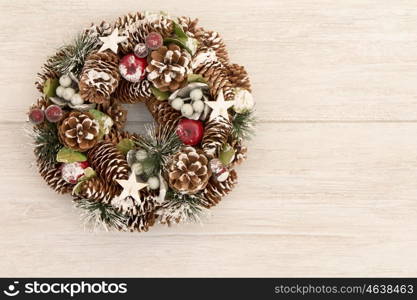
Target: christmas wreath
182,164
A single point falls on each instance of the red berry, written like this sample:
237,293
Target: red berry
36,115
190,131
132,68
84,164
53,113
154,40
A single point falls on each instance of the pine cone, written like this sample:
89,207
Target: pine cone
132,92
118,114
53,177
79,131
215,190
207,64
213,40
42,103
216,133
95,189
191,27
109,163
239,77
136,27
188,170
163,113
169,67
140,216
99,77
240,154
47,71
102,29
115,136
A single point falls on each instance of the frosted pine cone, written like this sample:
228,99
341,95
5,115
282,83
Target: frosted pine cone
216,133
215,190
163,113
118,114
169,67
239,77
109,163
95,189
79,131
99,77
132,92
52,174
115,136
188,171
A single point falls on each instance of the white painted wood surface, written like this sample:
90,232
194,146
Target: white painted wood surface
329,189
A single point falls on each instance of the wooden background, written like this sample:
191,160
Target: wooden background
329,189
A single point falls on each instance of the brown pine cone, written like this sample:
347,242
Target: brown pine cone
240,154
79,131
109,163
115,136
213,40
214,72
132,92
169,67
215,190
118,114
99,77
95,189
52,174
137,28
188,170
99,30
216,133
190,26
47,70
42,103
239,77
141,223
163,113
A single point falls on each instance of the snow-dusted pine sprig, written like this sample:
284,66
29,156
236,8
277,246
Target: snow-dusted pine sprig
243,125
46,142
98,214
70,58
159,143
180,207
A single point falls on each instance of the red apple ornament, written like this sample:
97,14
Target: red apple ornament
132,68
190,131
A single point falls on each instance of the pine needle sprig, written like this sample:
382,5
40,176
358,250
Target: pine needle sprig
98,214
70,58
46,141
159,143
243,125
179,207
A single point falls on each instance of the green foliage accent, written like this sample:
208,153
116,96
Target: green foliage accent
101,214
159,144
243,125
179,32
50,86
226,155
105,122
196,78
159,95
181,43
71,57
47,143
125,145
67,155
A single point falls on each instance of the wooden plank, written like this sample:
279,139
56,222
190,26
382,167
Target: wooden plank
308,60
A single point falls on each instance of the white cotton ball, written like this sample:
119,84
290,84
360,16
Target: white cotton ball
76,100
196,94
153,183
137,168
198,106
187,110
68,93
141,155
177,103
59,91
65,81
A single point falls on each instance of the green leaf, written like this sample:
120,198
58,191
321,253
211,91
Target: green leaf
67,155
50,86
178,42
179,32
226,154
125,145
196,78
160,95
104,121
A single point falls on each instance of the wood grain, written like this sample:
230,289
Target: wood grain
330,186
